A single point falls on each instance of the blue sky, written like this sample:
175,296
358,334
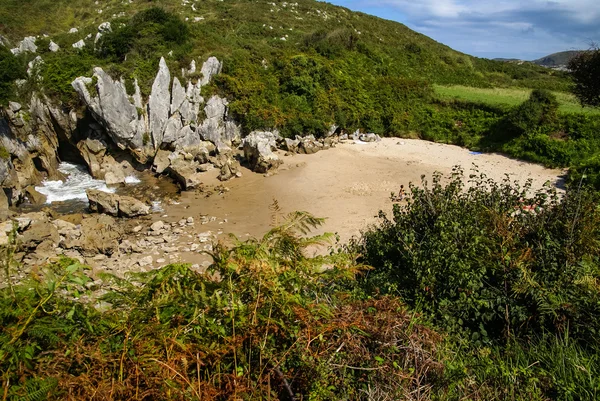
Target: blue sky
525,29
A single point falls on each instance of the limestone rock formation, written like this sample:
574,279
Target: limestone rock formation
115,205
258,151
26,45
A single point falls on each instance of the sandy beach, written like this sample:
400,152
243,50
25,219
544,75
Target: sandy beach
348,185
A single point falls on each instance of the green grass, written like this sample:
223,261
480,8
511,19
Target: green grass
508,96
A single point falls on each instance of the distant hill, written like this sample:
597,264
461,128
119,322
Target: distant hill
555,60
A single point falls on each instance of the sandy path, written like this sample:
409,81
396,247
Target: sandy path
348,185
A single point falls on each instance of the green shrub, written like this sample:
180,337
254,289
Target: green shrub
491,261
539,111
11,69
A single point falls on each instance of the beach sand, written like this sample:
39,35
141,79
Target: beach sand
348,185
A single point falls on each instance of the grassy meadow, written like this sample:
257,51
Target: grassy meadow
508,96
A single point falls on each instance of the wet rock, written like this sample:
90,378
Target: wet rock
258,151
34,196
92,151
115,205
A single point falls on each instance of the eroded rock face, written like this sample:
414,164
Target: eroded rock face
115,205
160,103
258,151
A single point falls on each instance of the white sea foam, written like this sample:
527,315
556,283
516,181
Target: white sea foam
73,188
132,179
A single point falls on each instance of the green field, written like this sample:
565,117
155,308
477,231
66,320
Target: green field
508,96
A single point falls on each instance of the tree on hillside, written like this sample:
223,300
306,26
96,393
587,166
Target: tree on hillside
585,70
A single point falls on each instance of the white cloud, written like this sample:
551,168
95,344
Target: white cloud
514,28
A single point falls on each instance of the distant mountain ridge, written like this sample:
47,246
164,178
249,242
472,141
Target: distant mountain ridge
555,60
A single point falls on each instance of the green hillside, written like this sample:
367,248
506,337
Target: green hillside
298,66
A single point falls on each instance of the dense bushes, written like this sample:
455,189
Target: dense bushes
512,276
491,260
145,34
537,113
11,69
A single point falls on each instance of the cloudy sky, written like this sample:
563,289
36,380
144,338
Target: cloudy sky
525,29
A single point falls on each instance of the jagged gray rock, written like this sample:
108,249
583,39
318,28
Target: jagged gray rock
217,128
79,45
53,47
26,45
210,68
160,103
258,151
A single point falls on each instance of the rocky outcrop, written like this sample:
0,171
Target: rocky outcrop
167,123
258,151
26,45
115,205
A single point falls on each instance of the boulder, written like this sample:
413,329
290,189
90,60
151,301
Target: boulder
4,211
115,205
370,137
332,130
53,47
14,107
309,145
161,161
210,68
131,207
291,145
79,45
258,151
37,232
217,127
92,151
26,45
99,234
185,173
228,166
